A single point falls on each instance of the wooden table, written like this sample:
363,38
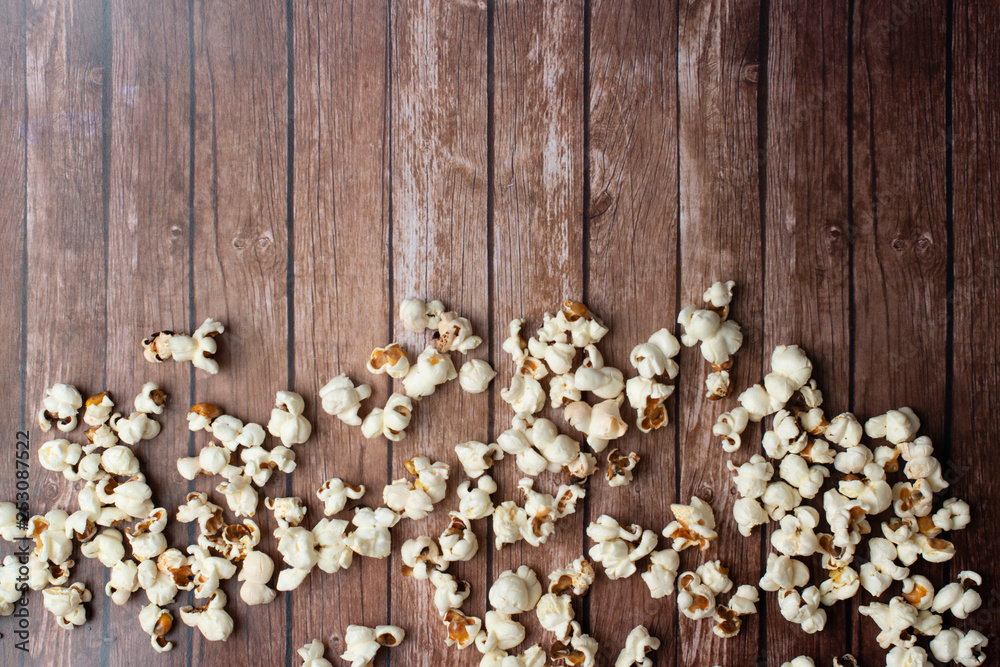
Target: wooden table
296,170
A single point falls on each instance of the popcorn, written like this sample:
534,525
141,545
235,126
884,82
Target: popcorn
201,416
542,510
959,598
803,609
211,461
363,643
525,394
515,592
918,591
146,537
124,581
49,533
844,430
805,478
415,500
647,398
371,536
655,357
287,422
954,515
727,617
663,566
620,467
580,651
510,522
575,577
312,655
157,622
458,542
600,423
431,370
881,570
462,629
342,399
418,316
256,573
163,577
334,494
592,375
61,404
921,464
796,535
515,345
475,376
720,337
134,428
618,547
562,390
197,348
390,421
449,592
780,498
454,334
478,457
843,583
233,542
421,556
209,571
239,492
475,503
555,613
694,525
60,456
784,573
896,426
501,633
583,327
198,508
638,645
894,620
66,604
151,399
790,370
730,426
801,661
717,385
752,477
297,547
211,619
853,460
331,543
962,648
97,409
902,656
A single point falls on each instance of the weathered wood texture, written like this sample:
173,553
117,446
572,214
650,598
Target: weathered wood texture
298,168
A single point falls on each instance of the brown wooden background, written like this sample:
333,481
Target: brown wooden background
296,169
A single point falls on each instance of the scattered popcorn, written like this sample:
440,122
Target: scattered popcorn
49,532
334,495
390,421
415,500
475,376
719,336
454,334
730,426
655,357
620,467
431,370
211,619
958,598
462,629
239,492
694,525
478,457
475,503
555,613
66,604
256,573
894,620
134,428
728,619
842,584
600,423
790,370
312,655
662,572
952,645
618,547
371,536
61,404
717,385
197,348
342,399
449,592
638,645
211,460
515,592
881,570
500,633
156,623
580,651
60,456
803,608
784,573
287,422
575,577
458,542
363,643
418,316
801,661
288,512
796,535
647,398
163,577
98,409
525,394
124,581
593,376
563,391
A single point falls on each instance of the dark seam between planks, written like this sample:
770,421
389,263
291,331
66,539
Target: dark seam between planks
763,48
491,273
290,265
949,359
677,295
387,114
106,59
852,320
585,281
189,657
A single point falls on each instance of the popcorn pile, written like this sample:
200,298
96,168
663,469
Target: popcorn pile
119,524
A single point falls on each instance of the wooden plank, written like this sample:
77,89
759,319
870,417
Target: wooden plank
972,470
66,262
440,236
901,237
240,256
15,412
808,236
537,232
341,201
718,72
632,271
148,260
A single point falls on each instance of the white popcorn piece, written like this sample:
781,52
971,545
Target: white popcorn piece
10,588
563,391
312,655
334,494
555,613
60,455
921,464
542,510
918,591
801,661
844,430
894,620
784,573
239,492
790,370
576,320
952,645
211,460
693,525
363,643
896,426
66,604
842,584
593,376
420,557
600,423
197,348
151,399
752,477
209,571
201,416
331,543
796,534
418,316
211,619
779,498
510,522
620,467
146,537
287,421
97,409
852,461
655,357
454,334
288,512
525,394
638,645
124,581
342,399
198,508
390,421
580,651
575,578
618,548
902,656
61,404
449,592
297,547
959,598
728,619
718,385
730,426
371,536
500,632
475,376
648,397
107,547
720,338
415,500
515,592
475,503
49,533
163,577
881,570
157,622
431,370
803,609
462,629
662,572
806,479
458,542
134,428
954,515
478,457
390,360
256,573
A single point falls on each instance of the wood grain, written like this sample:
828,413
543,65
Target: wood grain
631,270
241,258
66,267
538,187
971,468
341,260
900,234
440,236
807,238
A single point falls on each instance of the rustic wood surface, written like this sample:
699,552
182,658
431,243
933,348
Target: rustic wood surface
296,169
